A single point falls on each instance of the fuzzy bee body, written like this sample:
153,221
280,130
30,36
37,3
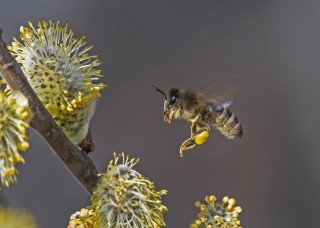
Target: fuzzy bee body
223,120
202,112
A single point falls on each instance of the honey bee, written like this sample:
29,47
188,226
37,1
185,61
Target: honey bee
202,112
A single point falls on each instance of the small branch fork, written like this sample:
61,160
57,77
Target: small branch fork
76,161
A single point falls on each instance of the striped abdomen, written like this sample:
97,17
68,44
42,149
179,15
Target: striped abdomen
224,121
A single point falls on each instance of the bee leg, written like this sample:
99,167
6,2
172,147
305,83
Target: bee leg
201,137
195,119
193,129
187,145
198,128
194,125
198,139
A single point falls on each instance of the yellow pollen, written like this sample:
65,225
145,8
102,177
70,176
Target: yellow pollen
201,138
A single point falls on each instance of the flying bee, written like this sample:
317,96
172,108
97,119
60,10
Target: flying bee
202,112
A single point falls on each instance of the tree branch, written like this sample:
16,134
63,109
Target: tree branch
76,161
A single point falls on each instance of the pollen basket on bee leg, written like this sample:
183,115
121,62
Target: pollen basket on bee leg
201,138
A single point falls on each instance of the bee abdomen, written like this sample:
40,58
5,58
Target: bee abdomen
227,123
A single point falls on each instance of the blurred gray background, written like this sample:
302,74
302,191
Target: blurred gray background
270,47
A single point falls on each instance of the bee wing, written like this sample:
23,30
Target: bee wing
220,95
226,104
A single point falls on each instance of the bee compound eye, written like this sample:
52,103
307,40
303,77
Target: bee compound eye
173,99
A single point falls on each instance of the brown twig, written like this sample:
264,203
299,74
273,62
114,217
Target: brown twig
76,161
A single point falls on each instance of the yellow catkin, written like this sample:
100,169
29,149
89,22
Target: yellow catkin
61,72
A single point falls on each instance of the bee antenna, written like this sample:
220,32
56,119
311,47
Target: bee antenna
160,91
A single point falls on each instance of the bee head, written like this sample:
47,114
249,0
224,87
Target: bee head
171,102
171,105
